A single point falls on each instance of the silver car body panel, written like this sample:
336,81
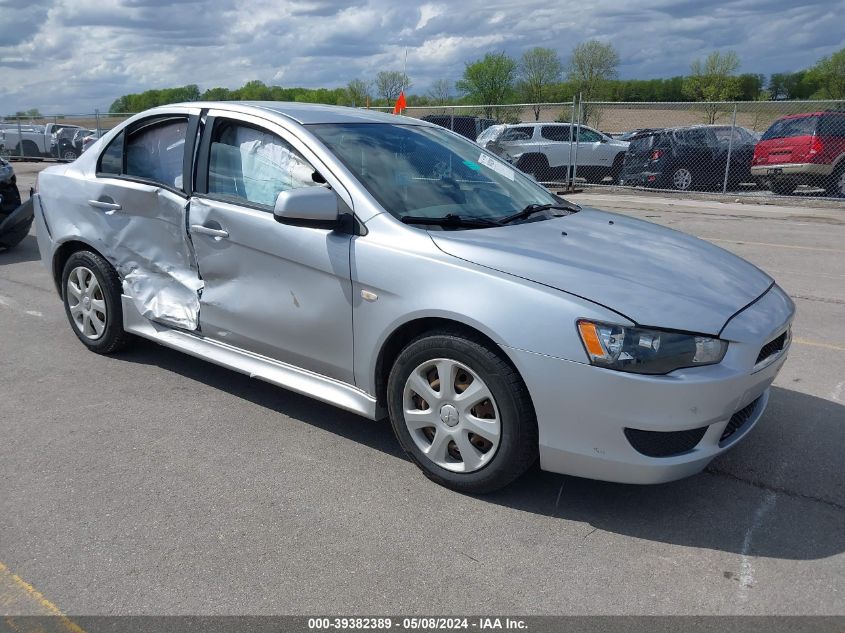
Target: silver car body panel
653,275
311,310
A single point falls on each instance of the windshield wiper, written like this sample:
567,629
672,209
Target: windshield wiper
450,219
531,209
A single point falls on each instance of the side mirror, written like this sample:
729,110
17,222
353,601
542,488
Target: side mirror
307,206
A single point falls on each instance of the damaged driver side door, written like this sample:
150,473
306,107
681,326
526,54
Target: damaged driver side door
277,290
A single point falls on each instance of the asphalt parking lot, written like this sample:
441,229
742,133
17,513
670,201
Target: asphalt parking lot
155,483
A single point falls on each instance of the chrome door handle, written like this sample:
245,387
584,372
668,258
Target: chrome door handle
105,206
219,233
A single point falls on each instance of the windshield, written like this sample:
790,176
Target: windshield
414,170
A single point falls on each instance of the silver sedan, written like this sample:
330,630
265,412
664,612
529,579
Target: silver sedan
394,268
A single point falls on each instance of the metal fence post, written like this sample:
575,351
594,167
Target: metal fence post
20,139
577,136
452,118
569,182
730,149
97,116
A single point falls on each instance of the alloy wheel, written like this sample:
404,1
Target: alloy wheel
86,303
682,179
451,415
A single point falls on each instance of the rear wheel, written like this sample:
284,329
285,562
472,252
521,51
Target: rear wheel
461,412
91,293
29,149
836,188
681,179
535,165
779,187
70,154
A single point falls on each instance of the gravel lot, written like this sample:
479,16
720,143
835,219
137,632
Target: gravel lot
155,483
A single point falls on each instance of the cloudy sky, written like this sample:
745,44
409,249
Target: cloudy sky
71,56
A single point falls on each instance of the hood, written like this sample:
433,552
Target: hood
652,275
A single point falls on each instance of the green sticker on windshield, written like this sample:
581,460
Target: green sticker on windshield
473,166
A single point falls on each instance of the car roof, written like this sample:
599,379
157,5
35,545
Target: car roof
306,113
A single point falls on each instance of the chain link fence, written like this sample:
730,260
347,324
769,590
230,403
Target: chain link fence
754,148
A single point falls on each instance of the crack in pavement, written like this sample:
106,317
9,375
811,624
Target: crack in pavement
777,489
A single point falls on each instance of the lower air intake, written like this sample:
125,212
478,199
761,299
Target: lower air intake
664,443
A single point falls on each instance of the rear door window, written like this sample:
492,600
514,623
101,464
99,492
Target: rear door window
153,151
558,133
784,128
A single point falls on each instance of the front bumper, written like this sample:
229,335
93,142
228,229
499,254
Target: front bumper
583,411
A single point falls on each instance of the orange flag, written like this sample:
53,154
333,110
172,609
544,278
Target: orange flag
400,103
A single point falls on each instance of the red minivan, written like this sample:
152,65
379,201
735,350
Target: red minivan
803,149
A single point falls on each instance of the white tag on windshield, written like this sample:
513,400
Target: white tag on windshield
496,166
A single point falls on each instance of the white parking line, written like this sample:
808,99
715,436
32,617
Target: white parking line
746,571
837,392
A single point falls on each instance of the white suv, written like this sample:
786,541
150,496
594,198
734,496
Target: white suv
543,150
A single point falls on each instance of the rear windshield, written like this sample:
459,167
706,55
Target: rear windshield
803,126
642,144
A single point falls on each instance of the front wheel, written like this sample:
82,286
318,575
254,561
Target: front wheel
462,412
91,293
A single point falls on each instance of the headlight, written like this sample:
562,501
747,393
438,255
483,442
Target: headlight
645,351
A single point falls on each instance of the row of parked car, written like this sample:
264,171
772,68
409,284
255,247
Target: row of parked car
56,140
799,149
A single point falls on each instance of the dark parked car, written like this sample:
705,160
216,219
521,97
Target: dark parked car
803,149
687,158
15,218
465,125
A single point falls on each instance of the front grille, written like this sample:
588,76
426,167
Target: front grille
738,420
771,348
664,443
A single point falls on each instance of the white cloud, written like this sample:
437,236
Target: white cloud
77,55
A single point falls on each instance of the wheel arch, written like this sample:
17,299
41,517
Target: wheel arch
63,253
396,341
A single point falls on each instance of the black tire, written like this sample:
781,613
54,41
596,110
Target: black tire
535,165
779,187
680,182
835,187
30,149
70,154
113,338
616,168
12,238
518,443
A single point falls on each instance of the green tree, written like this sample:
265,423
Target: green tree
538,69
440,91
829,76
591,66
488,81
389,83
357,93
217,94
713,80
